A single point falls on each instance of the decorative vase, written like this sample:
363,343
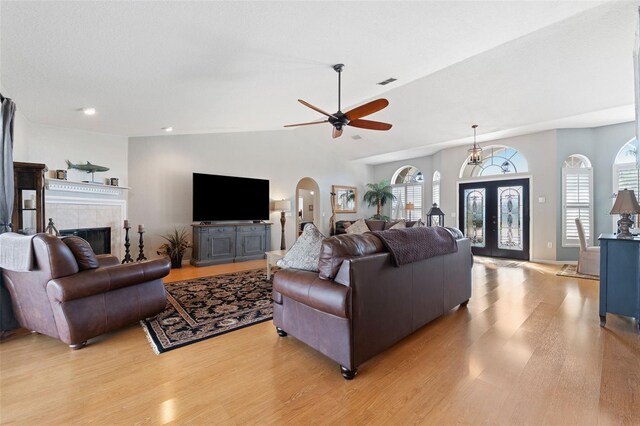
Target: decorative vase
176,261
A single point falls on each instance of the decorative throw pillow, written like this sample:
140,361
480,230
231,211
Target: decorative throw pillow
345,225
83,252
400,225
305,252
419,224
358,227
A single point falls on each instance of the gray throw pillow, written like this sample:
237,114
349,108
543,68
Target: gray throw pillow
305,252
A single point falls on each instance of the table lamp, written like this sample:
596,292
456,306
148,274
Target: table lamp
409,207
626,204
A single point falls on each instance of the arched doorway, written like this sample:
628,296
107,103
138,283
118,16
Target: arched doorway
307,204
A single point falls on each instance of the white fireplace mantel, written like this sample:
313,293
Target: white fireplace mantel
85,187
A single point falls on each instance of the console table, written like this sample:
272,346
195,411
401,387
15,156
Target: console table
229,242
619,277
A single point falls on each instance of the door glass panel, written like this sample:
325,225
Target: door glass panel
474,213
510,217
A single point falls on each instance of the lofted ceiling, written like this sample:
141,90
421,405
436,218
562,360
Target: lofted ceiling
513,67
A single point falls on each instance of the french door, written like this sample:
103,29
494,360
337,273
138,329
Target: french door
494,215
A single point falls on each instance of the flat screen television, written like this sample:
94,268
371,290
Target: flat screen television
229,198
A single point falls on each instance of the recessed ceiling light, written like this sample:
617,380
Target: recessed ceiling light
387,81
168,129
89,111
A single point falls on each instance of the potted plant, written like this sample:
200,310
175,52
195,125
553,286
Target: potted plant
177,243
378,195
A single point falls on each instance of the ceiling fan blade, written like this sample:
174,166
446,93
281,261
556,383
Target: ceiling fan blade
366,109
306,124
368,124
315,108
336,133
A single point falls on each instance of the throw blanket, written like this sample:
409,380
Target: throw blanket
414,244
16,252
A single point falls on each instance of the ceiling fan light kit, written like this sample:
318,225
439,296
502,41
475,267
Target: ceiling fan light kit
352,117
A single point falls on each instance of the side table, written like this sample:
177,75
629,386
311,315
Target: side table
272,258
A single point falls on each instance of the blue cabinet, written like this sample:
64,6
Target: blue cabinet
619,277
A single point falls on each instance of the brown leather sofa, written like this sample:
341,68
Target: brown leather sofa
73,295
358,305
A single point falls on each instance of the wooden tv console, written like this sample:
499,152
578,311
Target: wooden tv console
229,242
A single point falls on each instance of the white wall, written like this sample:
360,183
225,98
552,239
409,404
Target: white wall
161,167
20,137
53,145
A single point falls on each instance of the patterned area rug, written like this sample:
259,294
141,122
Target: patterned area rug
206,307
572,271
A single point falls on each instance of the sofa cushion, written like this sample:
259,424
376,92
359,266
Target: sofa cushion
375,224
358,227
305,251
401,224
82,251
336,249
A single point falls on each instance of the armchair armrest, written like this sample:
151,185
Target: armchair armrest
106,260
102,280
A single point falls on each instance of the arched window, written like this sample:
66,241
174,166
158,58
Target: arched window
577,199
406,185
626,173
496,160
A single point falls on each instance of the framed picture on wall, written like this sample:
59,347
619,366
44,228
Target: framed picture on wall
346,198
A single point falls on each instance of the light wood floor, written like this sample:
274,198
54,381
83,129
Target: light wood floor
527,350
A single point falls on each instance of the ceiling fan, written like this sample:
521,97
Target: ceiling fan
350,118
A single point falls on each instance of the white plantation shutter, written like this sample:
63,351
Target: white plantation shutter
627,176
436,188
406,193
577,202
397,206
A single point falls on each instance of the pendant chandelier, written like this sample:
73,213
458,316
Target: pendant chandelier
475,153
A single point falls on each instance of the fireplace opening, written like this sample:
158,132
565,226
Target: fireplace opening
98,238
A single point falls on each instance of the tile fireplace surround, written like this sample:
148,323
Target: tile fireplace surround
74,205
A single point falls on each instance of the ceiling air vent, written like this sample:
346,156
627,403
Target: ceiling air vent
387,81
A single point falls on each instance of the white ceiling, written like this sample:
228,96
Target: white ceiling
512,67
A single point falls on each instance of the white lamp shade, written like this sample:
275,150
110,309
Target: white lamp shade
282,205
626,203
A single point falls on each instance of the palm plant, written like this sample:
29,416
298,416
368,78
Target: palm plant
177,243
378,195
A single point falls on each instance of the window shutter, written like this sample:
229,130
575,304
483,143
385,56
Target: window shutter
397,206
436,188
406,193
629,178
577,194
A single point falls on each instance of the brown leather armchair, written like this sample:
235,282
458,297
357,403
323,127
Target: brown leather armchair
73,295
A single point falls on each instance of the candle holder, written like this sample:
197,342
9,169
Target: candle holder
127,254
141,247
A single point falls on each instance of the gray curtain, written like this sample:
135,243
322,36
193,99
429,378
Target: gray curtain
6,167
7,319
